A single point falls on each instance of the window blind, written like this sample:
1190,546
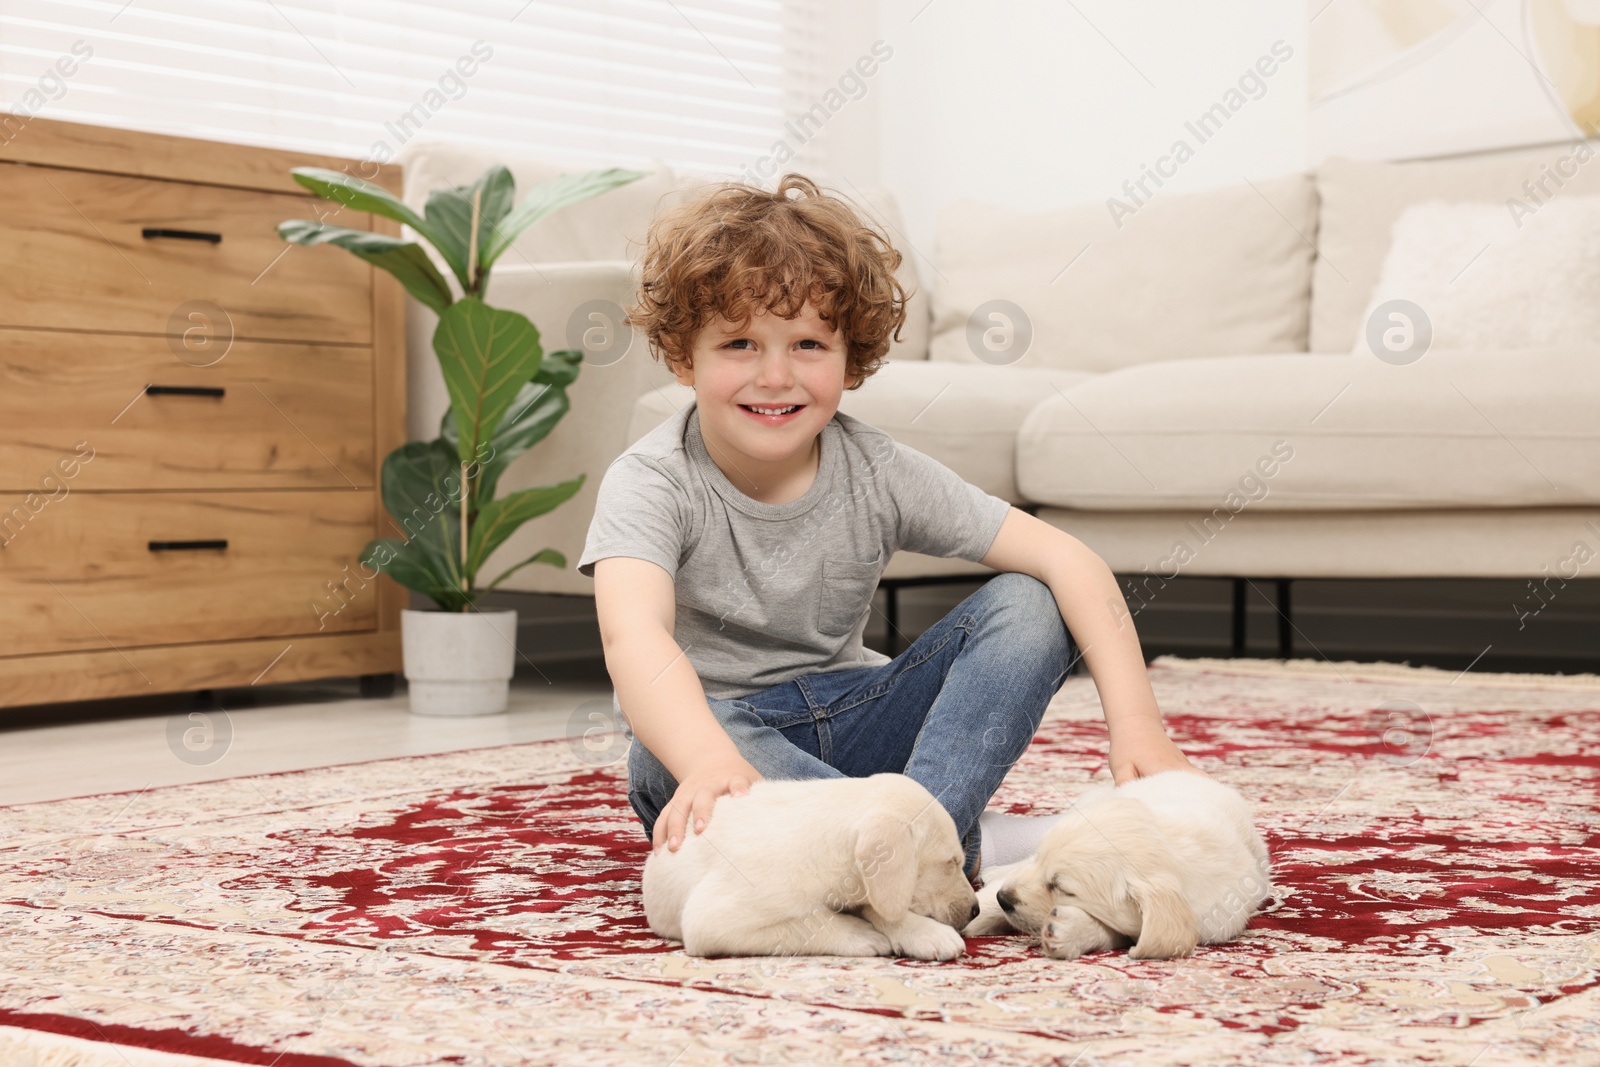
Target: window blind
703,85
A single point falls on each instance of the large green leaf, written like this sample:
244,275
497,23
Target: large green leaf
548,555
449,213
407,564
499,519
404,259
533,414
559,368
421,483
486,354
360,194
551,196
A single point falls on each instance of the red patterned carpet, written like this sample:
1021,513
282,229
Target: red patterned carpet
1434,843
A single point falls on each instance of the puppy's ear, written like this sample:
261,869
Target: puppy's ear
886,860
1167,926
1128,847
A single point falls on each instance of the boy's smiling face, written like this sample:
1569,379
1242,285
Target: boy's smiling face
775,364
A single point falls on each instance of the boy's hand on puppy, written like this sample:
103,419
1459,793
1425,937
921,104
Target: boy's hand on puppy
695,796
1145,754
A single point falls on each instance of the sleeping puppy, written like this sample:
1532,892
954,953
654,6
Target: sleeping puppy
821,867
1162,863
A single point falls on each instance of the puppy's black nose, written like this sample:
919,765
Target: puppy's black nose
1007,899
973,914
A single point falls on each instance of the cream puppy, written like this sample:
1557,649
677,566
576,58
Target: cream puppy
821,867
1163,863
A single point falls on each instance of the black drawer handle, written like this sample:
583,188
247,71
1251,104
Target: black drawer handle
183,546
183,235
185,390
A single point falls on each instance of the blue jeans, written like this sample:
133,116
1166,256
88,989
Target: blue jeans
954,711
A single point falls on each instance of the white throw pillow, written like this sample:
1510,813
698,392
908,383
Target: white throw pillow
1485,282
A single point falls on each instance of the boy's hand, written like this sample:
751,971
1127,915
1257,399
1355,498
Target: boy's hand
695,796
1147,753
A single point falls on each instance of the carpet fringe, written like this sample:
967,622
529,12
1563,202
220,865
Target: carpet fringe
1376,671
21,1047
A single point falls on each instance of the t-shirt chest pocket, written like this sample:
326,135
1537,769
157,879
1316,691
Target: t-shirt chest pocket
847,588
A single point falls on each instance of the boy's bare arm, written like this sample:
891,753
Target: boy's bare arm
1096,615
661,694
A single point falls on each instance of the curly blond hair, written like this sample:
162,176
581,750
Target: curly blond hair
737,247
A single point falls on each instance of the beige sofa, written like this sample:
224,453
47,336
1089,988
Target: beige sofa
1190,401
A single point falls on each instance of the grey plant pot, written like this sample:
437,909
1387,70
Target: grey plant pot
459,663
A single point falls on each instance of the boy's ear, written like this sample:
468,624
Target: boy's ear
678,361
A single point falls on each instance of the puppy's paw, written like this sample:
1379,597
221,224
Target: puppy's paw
988,923
1058,943
1161,952
863,943
1071,932
927,940
876,943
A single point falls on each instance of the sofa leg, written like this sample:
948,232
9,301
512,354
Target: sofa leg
1238,618
892,614
1285,627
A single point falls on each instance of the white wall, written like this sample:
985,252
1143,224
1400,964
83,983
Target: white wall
849,148
1039,103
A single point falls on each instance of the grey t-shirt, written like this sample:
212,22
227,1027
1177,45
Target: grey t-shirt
769,592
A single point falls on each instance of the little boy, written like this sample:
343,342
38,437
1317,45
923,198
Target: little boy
735,548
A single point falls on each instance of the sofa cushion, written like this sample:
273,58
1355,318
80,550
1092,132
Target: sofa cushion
1222,272
609,226
880,204
1455,429
1360,201
1481,279
966,417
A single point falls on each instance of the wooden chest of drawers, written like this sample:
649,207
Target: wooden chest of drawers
193,415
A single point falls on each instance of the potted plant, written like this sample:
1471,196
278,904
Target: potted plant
506,394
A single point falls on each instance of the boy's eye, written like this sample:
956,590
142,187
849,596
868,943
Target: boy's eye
740,342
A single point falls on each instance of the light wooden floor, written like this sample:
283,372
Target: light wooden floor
117,746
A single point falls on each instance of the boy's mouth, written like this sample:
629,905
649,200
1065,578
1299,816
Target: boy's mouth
772,414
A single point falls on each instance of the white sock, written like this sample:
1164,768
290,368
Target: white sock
1008,839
